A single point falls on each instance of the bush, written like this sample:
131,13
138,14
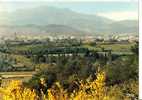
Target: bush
122,69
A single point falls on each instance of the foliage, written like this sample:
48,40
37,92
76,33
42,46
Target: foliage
135,48
11,62
92,90
122,69
117,47
88,90
125,91
75,77
65,71
16,91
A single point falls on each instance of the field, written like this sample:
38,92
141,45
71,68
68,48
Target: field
118,47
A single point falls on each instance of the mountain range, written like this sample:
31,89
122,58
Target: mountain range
51,20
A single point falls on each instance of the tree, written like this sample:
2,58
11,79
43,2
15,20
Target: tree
135,48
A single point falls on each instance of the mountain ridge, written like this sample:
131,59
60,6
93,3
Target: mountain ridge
77,22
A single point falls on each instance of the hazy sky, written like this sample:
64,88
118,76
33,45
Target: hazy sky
113,9
75,0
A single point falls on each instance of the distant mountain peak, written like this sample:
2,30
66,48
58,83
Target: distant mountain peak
64,20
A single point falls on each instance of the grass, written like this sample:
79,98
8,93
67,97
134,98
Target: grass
22,60
92,47
28,47
17,73
116,47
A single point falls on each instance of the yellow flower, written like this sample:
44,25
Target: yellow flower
16,91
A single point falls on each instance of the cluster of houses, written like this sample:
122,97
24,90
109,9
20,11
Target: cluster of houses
115,38
21,39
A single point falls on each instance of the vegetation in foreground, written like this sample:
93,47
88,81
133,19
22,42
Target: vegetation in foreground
78,78
88,90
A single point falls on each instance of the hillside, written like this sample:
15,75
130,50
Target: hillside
62,20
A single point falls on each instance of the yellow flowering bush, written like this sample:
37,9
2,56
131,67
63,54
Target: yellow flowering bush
88,90
92,90
56,93
16,91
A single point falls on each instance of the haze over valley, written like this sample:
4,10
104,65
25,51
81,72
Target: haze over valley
52,20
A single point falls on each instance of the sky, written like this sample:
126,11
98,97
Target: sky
76,0
112,9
